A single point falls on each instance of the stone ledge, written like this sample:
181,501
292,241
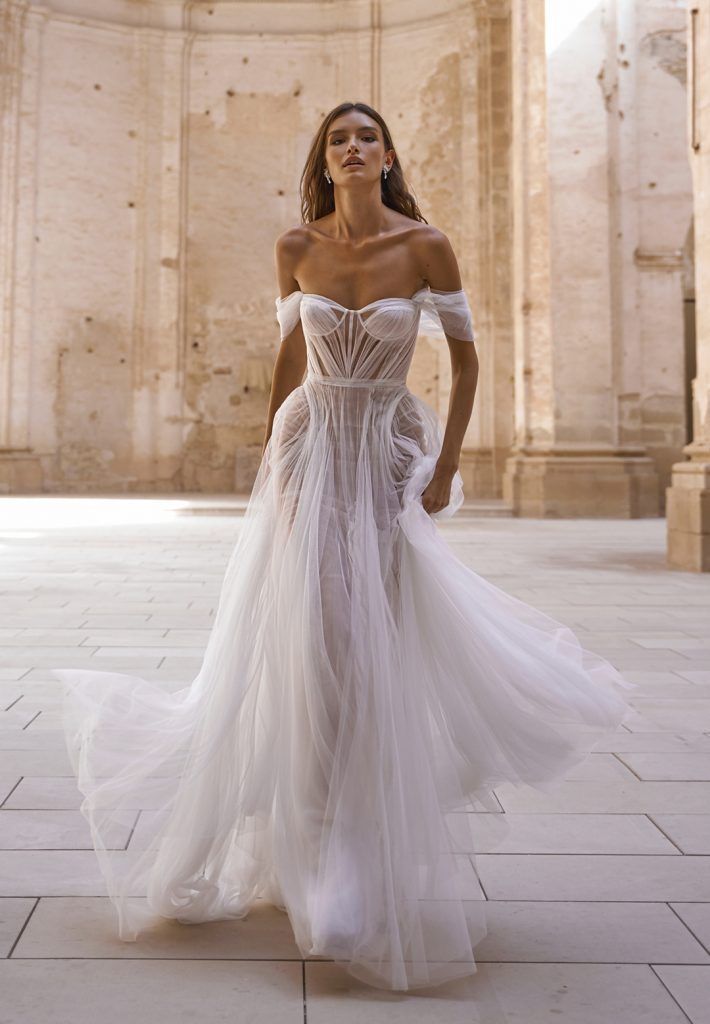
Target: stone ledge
566,486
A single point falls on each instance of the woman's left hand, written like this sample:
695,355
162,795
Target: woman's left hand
437,493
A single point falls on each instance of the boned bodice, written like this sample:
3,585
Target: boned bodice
372,345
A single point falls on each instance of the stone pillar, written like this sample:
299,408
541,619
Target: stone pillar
490,435
20,50
688,497
534,395
571,456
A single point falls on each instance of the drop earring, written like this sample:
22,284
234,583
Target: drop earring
384,171
330,180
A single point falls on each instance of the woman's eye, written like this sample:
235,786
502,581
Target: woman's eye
365,138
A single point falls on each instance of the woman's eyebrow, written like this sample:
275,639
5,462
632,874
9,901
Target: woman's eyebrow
364,128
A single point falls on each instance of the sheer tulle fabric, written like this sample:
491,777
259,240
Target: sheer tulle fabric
360,690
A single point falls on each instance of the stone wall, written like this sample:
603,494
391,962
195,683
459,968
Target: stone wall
164,143
151,153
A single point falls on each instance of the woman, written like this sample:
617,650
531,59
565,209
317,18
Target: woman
360,685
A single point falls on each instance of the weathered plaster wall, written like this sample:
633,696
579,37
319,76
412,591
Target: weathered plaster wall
151,152
165,157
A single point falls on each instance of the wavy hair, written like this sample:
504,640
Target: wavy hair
317,198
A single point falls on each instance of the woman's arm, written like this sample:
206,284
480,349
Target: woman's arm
441,272
290,362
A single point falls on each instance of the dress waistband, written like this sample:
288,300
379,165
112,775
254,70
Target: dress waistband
356,382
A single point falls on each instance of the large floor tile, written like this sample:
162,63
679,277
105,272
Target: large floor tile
690,986
622,933
150,992
655,742
64,636
42,792
500,994
594,878
600,767
13,916
691,767
663,714
696,675
35,762
690,832
55,830
11,672
106,653
33,738
569,833
697,917
87,927
632,797
16,718
7,784
50,873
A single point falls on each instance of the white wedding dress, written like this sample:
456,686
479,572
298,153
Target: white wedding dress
361,688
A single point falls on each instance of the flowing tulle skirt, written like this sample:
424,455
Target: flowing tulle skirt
361,690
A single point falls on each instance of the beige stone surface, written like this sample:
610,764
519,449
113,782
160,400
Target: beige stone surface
587,932
504,994
84,991
13,916
589,878
571,833
689,494
85,927
689,832
690,987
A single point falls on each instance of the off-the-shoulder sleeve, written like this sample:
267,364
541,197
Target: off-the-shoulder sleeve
447,313
288,312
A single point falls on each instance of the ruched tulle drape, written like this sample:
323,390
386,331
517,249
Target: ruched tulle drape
361,688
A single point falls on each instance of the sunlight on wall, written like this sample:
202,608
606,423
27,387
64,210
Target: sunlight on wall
561,19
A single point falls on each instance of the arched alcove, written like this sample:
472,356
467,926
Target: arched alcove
155,155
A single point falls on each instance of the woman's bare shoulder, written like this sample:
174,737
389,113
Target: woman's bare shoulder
292,240
436,258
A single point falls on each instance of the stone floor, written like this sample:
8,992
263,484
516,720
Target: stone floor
599,900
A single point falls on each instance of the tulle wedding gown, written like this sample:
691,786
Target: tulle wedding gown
360,691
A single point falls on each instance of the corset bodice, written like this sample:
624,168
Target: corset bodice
373,345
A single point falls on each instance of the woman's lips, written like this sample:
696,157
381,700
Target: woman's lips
354,163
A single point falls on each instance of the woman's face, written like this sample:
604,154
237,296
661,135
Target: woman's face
355,149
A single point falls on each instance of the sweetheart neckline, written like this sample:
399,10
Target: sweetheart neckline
361,309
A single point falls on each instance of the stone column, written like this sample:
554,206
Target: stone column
571,455
20,49
688,497
490,434
534,395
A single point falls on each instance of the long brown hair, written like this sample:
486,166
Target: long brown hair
317,197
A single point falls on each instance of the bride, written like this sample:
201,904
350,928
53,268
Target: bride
362,691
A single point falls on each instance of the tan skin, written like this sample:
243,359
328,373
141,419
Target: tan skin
364,251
